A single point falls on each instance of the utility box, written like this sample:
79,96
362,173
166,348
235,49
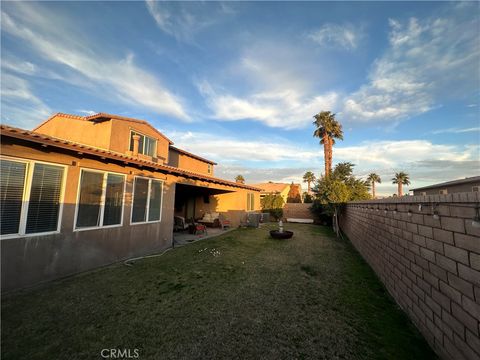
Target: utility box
253,219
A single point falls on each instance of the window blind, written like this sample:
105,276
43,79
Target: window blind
12,180
44,202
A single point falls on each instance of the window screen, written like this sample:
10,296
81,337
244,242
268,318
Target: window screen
155,201
44,202
88,213
113,200
12,179
140,198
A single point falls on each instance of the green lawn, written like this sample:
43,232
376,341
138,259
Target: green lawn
240,295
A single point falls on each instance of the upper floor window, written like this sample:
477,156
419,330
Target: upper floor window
209,168
146,145
30,197
100,199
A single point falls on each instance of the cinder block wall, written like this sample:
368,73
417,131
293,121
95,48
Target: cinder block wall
298,211
430,266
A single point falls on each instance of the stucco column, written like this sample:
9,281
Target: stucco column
136,140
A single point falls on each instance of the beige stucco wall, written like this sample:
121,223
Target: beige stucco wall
26,261
183,161
78,130
112,135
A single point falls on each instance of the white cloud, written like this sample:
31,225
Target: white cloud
287,109
345,36
121,78
20,106
266,159
275,87
456,130
184,22
427,61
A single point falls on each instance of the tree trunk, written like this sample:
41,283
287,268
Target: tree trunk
373,189
308,187
325,154
330,154
400,190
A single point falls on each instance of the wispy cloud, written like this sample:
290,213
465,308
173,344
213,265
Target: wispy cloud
120,78
425,58
20,106
278,89
346,36
184,22
287,109
456,130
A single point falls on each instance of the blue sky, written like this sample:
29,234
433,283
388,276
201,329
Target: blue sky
239,82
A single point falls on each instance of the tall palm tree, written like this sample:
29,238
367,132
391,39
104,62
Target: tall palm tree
328,129
309,177
372,179
401,179
240,179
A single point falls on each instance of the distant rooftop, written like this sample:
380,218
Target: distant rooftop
449,183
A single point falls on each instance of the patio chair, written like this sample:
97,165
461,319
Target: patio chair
179,223
224,223
195,227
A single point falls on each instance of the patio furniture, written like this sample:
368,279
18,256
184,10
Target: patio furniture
224,223
195,228
179,223
210,219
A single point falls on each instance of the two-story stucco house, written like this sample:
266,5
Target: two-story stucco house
82,192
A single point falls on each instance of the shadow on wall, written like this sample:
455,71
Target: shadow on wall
81,244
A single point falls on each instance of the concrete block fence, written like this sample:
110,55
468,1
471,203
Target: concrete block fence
426,251
298,211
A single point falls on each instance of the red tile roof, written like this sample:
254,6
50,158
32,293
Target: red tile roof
47,140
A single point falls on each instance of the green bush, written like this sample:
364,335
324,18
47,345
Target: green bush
273,204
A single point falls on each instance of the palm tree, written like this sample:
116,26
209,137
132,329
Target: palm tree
372,179
240,179
401,179
328,129
309,177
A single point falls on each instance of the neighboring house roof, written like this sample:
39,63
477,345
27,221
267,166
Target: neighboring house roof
192,155
46,140
104,117
271,187
473,179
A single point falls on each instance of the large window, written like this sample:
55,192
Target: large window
147,200
30,197
146,145
250,202
100,199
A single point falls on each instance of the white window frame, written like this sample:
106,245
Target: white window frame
145,136
475,188
443,191
102,200
27,186
148,201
